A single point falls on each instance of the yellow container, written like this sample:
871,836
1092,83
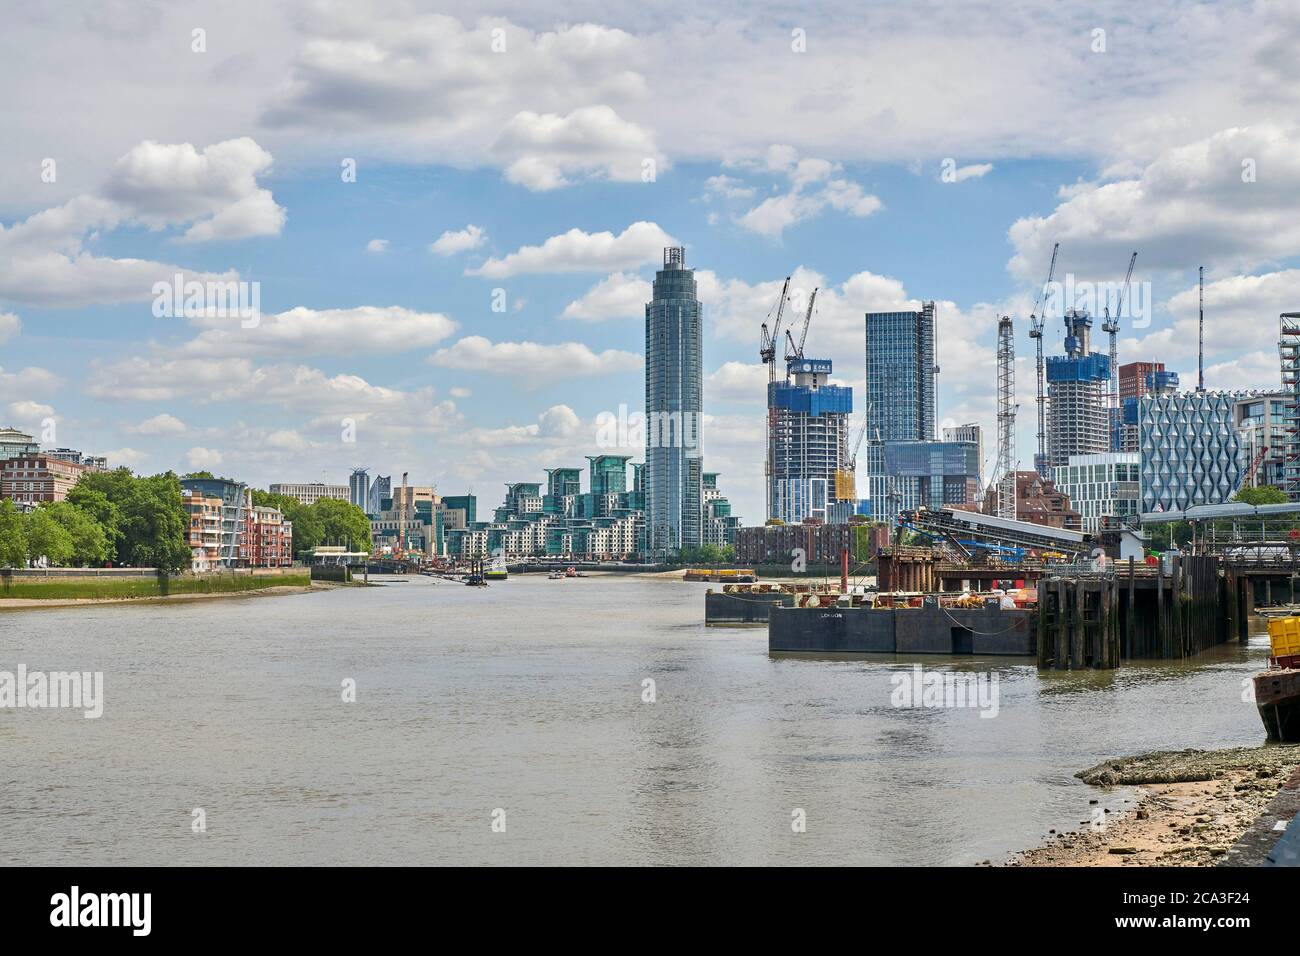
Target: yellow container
1284,636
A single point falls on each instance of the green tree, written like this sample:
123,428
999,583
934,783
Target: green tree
154,524
1261,495
46,538
13,536
341,522
90,547
99,493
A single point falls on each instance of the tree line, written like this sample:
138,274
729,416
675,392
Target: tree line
116,517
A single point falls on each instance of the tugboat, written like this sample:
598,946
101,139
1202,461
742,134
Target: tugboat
1277,690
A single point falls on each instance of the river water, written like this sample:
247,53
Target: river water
527,697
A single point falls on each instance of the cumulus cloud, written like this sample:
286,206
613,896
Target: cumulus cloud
167,378
203,459
546,151
9,326
216,189
301,331
814,185
377,245
29,413
619,296
532,363
1226,201
974,171
556,422
30,382
43,259
577,251
452,242
163,424
737,382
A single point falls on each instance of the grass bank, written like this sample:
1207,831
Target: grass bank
116,589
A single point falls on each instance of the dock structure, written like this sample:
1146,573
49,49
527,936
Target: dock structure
1131,611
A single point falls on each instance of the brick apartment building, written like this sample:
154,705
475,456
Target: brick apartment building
32,479
269,537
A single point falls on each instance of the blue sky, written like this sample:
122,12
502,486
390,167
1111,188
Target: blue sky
821,163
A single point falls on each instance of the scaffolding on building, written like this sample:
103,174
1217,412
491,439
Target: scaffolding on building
1288,345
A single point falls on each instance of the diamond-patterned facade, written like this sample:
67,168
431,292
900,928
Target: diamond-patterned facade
1190,451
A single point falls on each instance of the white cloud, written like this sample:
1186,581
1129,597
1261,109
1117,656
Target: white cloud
457,391
301,331
10,326
531,363
30,382
43,259
450,243
162,424
557,422
298,388
974,171
1187,207
548,151
577,251
29,413
377,245
130,457
811,190
203,459
737,382
161,184
619,296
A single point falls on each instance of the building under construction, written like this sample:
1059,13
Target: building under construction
1078,419
808,421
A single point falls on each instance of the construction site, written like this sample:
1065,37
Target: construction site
1023,572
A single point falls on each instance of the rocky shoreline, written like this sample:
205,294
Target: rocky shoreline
1193,806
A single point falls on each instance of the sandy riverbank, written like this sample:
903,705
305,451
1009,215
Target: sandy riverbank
1191,806
26,604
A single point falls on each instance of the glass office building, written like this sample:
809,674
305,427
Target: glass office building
1101,486
673,405
900,375
1190,451
901,404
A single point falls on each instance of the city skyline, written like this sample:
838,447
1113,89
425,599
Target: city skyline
378,267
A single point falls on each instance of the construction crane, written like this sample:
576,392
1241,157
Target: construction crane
796,351
1254,466
767,346
1111,326
1006,506
1036,333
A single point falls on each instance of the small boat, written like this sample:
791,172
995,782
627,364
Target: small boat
1277,690
557,575
498,574
571,572
475,580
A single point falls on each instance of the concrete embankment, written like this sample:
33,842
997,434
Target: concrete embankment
20,591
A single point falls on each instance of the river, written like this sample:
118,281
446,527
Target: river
527,697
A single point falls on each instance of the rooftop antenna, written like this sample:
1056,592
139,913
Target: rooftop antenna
1200,337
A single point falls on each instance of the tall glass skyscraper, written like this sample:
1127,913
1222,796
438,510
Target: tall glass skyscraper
673,406
901,368
900,375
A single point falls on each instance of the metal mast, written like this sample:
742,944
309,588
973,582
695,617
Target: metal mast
1006,419
1111,326
1036,333
1200,334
